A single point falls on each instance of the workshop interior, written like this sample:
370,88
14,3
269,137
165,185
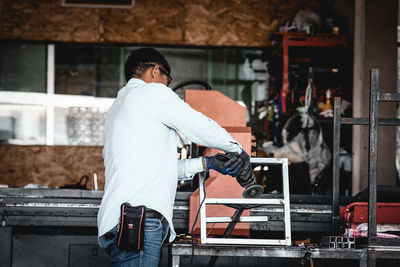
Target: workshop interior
309,88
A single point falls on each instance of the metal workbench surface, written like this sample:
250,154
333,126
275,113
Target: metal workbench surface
264,251
363,255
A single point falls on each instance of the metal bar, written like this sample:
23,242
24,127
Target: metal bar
385,252
50,92
286,202
203,225
365,121
297,226
241,219
232,224
371,259
175,261
389,97
49,193
54,221
336,166
267,160
307,210
5,246
363,262
273,252
53,205
316,41
266,251
285,78
221,201
373,156
57,100
359,89
247,241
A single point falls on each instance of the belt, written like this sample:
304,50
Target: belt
153,214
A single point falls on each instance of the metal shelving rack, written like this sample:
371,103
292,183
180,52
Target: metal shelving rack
373,122
295,39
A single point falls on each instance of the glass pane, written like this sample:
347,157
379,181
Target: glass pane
23,68
88,70
186,64
79,126
99,70
22,124
110,71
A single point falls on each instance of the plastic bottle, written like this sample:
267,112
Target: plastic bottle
328,104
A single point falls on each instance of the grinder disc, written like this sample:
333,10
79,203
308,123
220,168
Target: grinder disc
253,191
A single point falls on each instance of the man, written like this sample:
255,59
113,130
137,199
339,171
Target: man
140,155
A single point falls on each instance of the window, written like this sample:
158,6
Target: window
23,68
59,94
88,70
22,73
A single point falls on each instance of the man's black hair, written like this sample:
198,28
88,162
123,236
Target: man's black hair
135,65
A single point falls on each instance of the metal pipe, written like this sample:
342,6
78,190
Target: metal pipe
373,155
336,166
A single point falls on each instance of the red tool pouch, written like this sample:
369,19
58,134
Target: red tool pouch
131,227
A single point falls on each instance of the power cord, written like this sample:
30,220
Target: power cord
237,207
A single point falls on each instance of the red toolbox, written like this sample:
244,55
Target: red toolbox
357,213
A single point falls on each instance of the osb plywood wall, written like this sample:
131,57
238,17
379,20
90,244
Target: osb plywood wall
51,166
173,22
149,22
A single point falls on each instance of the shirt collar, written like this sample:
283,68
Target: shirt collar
134,81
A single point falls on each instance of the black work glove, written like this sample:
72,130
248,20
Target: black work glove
245,174
224,163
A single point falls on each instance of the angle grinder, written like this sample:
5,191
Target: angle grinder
252,190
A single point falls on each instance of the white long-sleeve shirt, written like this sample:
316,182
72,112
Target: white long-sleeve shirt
140,149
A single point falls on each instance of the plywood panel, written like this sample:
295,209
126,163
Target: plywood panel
51,166
217,106
177,22
47,20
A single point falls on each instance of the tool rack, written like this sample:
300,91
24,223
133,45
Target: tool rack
388,246
295,39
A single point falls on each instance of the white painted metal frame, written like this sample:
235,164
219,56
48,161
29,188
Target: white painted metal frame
50,93
285,201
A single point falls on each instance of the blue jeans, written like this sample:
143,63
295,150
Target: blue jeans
156,231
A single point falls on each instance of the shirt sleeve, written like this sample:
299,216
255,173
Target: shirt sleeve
178,115
187,168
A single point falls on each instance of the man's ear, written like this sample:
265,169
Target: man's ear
150,75
153,72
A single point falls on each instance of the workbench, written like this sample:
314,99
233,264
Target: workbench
362,254
58,227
